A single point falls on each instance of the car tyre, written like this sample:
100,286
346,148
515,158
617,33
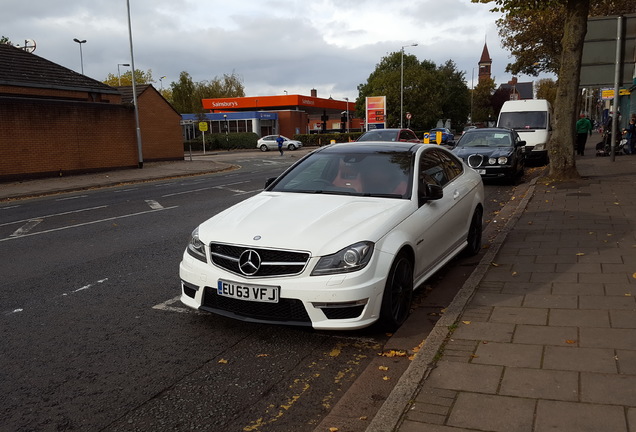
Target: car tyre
398,294
473,240
264,148
292,147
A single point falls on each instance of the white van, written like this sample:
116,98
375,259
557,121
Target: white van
531,119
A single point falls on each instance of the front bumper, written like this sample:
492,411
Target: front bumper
342,301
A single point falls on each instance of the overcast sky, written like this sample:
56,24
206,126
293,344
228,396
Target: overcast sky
272,45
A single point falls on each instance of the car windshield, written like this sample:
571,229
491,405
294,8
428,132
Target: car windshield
485,139
378,135
523,120
379,174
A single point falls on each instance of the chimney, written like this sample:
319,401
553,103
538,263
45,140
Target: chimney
314,93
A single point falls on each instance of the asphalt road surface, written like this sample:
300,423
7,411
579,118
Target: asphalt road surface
95,339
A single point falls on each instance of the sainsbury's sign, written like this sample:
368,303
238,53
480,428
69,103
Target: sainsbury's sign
225,104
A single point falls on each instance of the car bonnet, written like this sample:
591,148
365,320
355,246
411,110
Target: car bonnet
320,224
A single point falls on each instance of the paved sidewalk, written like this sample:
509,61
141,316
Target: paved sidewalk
543,335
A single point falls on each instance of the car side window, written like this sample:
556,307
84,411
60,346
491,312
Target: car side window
431,169
452,166
407,135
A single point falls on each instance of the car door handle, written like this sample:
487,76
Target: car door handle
456,194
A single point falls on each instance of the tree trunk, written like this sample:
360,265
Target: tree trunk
561,146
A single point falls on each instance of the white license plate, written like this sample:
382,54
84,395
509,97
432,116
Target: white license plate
481,172
258,293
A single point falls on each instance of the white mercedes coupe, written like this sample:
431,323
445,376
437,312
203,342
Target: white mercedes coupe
373,221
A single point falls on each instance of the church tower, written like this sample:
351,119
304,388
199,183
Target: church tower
484,65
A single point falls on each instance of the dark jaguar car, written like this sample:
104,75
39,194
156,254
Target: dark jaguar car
495,153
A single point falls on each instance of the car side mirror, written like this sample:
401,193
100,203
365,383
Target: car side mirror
520,144
269,181
429,192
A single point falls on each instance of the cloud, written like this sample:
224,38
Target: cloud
274,45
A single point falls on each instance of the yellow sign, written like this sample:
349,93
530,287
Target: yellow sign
203,126
609,93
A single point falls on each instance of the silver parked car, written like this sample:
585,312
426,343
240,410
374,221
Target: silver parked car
269,143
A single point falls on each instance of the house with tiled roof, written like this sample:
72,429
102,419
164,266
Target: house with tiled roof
55,121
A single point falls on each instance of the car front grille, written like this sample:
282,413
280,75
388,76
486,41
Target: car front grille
286,311
272,262
475,160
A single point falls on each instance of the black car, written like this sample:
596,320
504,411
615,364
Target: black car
495,153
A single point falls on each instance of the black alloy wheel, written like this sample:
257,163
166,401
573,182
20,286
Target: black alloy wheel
474,234
398,294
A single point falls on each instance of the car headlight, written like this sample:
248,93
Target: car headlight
502,160
539,147
492,161
349,259
196,247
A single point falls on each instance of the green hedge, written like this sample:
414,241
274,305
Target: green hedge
221,141
312,140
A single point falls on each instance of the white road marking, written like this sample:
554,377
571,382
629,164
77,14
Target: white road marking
9,208
154,204
54,214
225,186
166,306
71,198
24,229
85,287
90,223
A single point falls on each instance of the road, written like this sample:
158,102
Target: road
94,338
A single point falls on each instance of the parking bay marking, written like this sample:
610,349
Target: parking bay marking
90,223
167,306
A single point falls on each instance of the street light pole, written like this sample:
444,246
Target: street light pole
161,82
347,99
118,73
402,84
140,155
80,42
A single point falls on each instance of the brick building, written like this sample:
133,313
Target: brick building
54,121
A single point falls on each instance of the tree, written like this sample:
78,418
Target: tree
141,77
430,93
182,95
186,95
574,15
546,89
533,34
482,101
5,40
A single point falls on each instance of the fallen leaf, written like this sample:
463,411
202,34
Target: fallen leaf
617,203
634,275
494,264
393,353
466,322
223,361
332,429
474,355
530,223
514,273
628,295
570,341
591,232
262,355
363,418
386,378
383,368
580,254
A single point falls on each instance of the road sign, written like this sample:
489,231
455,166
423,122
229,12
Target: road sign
203,126
408,116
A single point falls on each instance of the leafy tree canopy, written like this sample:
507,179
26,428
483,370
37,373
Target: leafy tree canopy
185,95
533,30
141,77
430,92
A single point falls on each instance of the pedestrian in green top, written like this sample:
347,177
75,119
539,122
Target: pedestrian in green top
583,128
